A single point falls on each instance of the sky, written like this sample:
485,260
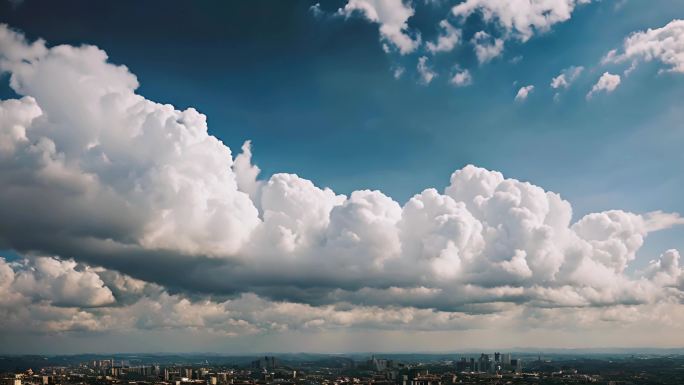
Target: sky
340,176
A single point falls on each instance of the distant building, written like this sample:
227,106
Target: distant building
484,363
517,365
496,363
380,364
11,381
427,379
267,362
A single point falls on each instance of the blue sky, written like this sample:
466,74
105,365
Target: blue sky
316,94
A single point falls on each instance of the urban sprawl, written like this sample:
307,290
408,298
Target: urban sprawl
496,368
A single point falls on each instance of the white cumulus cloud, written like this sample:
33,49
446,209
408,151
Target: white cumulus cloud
461,78
520,18
447,40
523,93
566,77
101,151
135,196
57,282
665,44
425,73
607,83
486,47
392,16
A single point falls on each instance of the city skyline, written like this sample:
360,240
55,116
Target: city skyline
321,369
343,176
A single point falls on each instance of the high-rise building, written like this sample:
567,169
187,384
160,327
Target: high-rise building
267,362
462,365
484,364
517,365
380,364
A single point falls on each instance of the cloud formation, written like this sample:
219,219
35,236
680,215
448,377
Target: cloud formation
665,44
140,305
391,16
503,21
425,72
59,283
154,223
486,47
144,306
518,20
566,77
521,18
607,83
523,93
461,78
447,40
